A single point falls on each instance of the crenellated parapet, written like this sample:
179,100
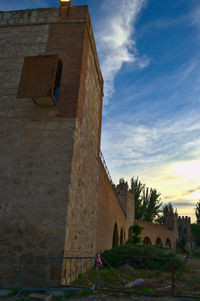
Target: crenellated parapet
184,229
185,219
141,222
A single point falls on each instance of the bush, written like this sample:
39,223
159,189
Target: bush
196,253
140,257
196,233
135,231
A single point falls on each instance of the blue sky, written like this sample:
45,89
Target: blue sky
150,60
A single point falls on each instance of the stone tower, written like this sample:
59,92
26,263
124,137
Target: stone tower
184,229
51,91
171,221
127,201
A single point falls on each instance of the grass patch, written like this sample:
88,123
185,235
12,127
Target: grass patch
196,294
195,253
147,290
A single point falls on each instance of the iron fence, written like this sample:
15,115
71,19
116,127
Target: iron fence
136,275
63,273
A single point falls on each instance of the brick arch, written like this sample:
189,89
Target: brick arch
115,236
129,233
121,236
159,242
168,243
147,241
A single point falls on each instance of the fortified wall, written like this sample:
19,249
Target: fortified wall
161,235
55,196
114,217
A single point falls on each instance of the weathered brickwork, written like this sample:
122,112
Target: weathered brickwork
83,188
109,213
48,180
162,232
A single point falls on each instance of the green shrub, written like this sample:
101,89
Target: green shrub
140,257
196,253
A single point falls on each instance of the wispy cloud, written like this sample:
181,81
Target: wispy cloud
164,156
195,16
116,41
189,191
167,141
183,203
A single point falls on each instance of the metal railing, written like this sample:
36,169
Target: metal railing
63,273
105,166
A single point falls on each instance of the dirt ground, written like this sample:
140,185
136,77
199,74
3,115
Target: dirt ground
133,298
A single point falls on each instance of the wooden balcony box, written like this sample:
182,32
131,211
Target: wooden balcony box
40,79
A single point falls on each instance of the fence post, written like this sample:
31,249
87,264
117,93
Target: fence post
98,278
173,275
20,276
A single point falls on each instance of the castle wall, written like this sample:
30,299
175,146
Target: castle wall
109,213
44,184
154,231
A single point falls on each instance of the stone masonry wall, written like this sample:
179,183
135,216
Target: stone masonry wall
37,143
109,213
83,189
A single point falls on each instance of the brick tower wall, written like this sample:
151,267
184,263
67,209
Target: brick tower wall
48,157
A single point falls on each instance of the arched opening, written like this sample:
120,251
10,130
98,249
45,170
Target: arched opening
58,80
129,233
121,237
168,243
147,241
115,236
159,242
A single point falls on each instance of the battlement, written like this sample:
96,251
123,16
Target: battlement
144,222
186,219
41,15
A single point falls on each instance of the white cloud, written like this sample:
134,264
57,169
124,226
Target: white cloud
165,156
116,42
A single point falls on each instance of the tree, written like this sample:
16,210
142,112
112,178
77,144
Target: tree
147,201
195,228
123,183
166,208
197,212
135,231
152,204
137,188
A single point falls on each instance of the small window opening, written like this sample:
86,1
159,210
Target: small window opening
57,81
